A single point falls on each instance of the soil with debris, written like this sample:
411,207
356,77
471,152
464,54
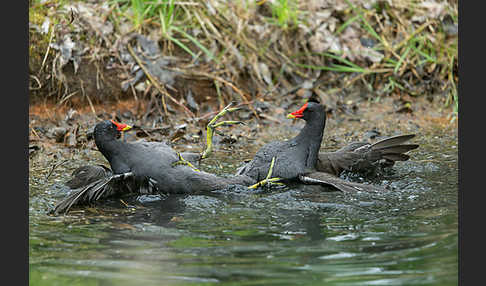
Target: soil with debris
82,53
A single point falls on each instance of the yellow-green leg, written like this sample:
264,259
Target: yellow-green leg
213,125
268,179
183,161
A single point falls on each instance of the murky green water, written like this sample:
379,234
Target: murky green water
278,237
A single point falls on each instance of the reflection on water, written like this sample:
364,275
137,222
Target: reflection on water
277,237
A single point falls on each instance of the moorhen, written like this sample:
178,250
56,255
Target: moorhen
294,157
139,167
299,161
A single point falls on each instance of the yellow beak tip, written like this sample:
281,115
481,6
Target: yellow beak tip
290,116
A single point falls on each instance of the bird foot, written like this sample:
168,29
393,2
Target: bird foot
265,182
212,125
268,179
183,161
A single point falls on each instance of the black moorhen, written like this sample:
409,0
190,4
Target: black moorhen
299,161
141,167
293,157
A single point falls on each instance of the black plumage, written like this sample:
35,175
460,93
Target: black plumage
139,167
293,157
150,167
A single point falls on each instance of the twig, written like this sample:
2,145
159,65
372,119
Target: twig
220,79
89,100
215,112
419,29
156,83
47,51
53,168
35,133
132,88
368,71
72,17
38,82
268,117
164,105
123,202
66,97
218,92
143,130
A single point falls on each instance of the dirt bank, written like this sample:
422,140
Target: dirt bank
185,55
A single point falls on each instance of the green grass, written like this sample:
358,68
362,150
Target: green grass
168,15
417,50
139,12
194,41
285,13
339,64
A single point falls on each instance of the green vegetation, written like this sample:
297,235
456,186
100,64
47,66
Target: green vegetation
164,15
285,13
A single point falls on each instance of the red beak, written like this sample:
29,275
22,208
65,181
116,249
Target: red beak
299,113
121,126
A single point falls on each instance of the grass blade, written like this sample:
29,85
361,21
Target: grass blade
336,68
346,24
184,47
402,58
341,59
196,42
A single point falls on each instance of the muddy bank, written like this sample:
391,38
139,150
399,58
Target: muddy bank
85,53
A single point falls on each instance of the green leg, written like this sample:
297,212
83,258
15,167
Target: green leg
183,161
213,125
268,179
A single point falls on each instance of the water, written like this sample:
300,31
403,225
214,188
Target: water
276,237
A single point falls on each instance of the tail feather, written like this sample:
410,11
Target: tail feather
396,157
390,141
86,194
397,148
105,187
101,190
362,157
